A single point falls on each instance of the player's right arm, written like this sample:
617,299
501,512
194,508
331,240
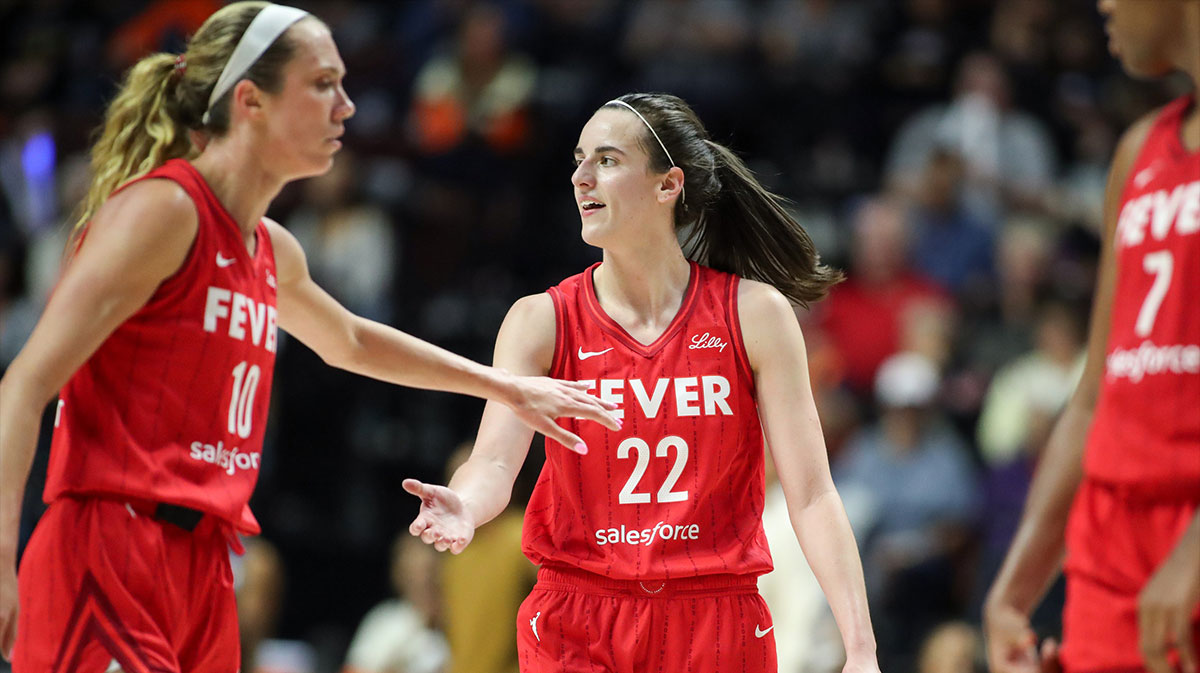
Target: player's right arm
140,237
1037,548
481,488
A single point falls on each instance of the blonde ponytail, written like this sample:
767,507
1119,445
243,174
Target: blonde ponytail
148,122
139,133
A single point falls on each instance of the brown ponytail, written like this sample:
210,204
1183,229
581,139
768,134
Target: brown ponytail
736,225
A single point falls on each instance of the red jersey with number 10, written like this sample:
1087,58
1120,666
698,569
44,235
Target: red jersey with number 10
1146,430
173,405
678,491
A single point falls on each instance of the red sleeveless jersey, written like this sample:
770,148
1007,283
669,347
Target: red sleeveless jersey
678,491
1146,428
173,405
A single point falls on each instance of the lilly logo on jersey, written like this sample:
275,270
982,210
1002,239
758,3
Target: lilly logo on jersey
244,317
646,536
706,341
229,460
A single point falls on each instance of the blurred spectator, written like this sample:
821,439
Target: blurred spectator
950,245
923,42
401,635
806,636
953,647
821,42
1029,391
1010,155
350,244
477,88
1001,327
163,25
259,580
864,316
694,49
483,587
921,487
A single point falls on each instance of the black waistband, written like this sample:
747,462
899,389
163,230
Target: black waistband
184,517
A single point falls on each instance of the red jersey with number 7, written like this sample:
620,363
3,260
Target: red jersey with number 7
678,491
173,405
1146,428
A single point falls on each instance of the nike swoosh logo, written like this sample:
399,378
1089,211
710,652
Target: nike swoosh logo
583,355
759,633
223,262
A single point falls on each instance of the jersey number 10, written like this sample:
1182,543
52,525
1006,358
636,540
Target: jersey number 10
241,400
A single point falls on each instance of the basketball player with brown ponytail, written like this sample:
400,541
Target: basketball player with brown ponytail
651,543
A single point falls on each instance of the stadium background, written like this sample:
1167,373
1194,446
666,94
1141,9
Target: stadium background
949,154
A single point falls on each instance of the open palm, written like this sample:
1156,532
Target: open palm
443,520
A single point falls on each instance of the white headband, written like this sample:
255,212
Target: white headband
682,193
266,27
652,131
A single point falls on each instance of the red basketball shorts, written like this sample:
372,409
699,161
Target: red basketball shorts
578,622
104,585
1115,542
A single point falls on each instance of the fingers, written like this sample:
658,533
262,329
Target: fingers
1048,663
598,410
1011,643
566,438
435,536
584,386
418,526
1185,646
415,487
602,417
1152,638
8,636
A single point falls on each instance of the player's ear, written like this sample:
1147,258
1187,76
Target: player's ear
671,185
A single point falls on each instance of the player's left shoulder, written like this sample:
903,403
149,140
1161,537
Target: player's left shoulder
768,324
762,305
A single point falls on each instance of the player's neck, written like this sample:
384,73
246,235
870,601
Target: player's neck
243,187
646,286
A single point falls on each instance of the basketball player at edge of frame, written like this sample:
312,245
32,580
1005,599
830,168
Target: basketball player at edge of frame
1118,485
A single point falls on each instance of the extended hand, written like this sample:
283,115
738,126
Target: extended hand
1165,609
540,400
443,521
1012,644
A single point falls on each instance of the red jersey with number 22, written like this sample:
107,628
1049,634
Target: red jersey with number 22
678,491
1146,431
173,405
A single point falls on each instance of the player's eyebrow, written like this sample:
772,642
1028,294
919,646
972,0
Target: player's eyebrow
601,150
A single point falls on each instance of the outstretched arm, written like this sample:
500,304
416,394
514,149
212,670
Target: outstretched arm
788,412
481,488
365,347
1037,548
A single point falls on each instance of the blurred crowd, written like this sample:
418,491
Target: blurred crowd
950,155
